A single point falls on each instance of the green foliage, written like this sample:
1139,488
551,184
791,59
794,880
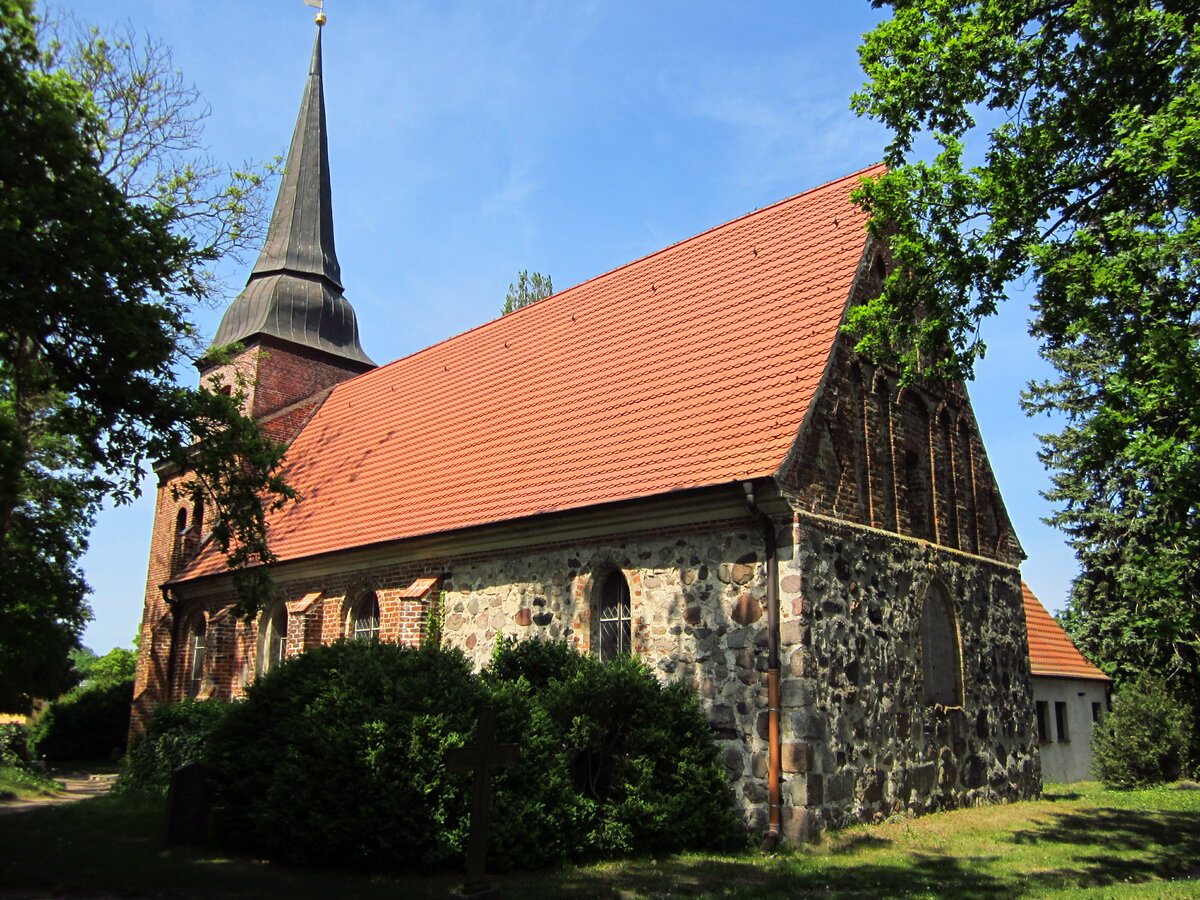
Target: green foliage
14,745
118,664
91,722
337,757
178,734
527,289
1143,740
1085,120
102,261
532,664
613,762
148,136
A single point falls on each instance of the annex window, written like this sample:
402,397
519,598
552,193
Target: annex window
1043,721
1060,720
614,622
364,626
197,645
1096,712
941,658
272,646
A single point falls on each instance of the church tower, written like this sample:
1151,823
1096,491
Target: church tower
299,332
300,338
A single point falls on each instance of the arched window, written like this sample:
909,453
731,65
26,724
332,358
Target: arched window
364,625
613,621
941,656
197,646
969,525
181,527
198,519
272,638
945,486
916,476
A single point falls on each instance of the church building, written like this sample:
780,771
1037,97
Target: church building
683,459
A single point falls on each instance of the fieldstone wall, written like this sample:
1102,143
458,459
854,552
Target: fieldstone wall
697,610
861,742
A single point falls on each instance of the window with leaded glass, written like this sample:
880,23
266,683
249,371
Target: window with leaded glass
614,624
196,648
365,626
273,647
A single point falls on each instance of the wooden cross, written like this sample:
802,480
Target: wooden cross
481,757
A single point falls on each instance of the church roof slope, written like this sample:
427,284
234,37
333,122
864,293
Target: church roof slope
691,367
1051,652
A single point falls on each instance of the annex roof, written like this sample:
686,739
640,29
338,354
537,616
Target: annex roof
1051,652
691,367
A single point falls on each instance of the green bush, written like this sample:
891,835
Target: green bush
537,661
614,762
14,745
177,734
1143,739
337,757
90,722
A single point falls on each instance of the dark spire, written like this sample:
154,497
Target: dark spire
295,289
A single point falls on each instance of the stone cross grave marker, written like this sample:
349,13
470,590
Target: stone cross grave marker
481,757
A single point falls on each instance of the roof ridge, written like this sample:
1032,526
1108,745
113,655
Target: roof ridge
609,272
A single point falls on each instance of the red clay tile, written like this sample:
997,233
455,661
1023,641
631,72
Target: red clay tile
690,367
1051,652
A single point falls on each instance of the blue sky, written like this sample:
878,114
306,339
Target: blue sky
469,141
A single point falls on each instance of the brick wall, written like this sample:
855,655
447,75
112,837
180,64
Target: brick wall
277,374
903,459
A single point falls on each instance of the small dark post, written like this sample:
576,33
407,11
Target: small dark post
187,805
481,757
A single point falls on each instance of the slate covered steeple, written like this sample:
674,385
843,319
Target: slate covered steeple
294,292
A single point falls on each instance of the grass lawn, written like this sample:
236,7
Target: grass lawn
1079,841
17,783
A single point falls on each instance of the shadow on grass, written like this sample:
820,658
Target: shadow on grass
1117,845
788,877
114,846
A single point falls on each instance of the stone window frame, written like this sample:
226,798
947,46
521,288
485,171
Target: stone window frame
936,695
272,640
603,577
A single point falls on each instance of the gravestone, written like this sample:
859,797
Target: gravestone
481,758
187,805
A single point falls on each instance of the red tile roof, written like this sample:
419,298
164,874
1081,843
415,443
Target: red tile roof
1050,650
691,367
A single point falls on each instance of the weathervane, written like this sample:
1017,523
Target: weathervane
320,6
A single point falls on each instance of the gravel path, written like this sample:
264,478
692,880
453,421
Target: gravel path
77,786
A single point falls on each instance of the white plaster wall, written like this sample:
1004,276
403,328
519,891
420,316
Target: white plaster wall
1069,760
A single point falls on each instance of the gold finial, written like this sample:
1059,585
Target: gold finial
319,19
320,5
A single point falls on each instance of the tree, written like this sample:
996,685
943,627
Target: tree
95,287
147,135
528,289
1083,117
